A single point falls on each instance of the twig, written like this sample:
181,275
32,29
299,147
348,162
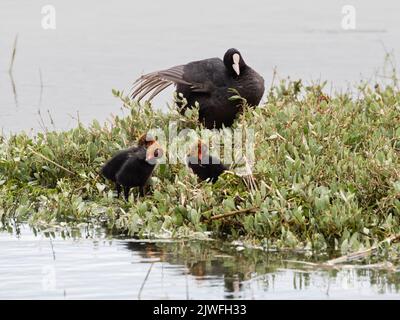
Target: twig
51,119
326,265
144,281
51,161
307,263
362,253
233,213
10,69
14,89
41,122
274,72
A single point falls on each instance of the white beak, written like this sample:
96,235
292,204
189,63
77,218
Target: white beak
235,66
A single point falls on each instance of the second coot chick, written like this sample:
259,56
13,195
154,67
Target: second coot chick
204,165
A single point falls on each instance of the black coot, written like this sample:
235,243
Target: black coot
112,166
204,165
137,169
133,167
208,82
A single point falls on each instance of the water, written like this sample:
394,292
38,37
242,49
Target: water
98,46
90,266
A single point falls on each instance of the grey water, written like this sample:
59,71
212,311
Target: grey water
89,265
68,72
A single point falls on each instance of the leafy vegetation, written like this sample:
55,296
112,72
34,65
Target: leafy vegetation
327,174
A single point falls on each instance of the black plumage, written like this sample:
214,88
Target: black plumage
135,172
204,165
208,82
112,166
133,167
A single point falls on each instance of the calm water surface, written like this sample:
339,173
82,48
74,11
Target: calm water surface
98,46
54,267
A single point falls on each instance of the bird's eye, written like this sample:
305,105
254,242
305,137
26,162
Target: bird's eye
158,153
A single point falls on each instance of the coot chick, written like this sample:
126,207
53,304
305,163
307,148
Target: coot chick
111,168
138,167
207,82
204,165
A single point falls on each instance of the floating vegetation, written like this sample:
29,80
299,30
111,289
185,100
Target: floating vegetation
326,175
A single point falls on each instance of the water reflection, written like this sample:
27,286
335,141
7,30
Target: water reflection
255,269
86,264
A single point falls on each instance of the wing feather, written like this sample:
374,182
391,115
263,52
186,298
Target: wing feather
157,81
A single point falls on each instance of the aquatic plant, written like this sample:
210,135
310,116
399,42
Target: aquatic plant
327,174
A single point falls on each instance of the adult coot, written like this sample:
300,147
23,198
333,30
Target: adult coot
204,165
207,82
133,167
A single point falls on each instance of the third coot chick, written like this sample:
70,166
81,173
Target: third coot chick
204,165
208,82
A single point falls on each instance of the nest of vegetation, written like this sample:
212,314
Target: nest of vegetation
326,175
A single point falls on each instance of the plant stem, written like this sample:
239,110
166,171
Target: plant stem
51,161
235,212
